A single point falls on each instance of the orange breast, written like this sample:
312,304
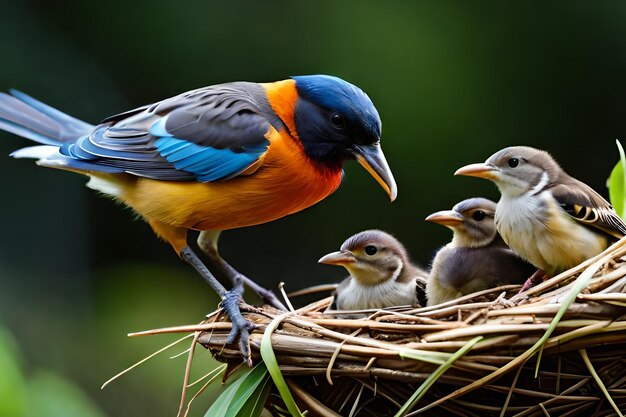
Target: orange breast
286,182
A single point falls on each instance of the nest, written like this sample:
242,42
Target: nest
338,365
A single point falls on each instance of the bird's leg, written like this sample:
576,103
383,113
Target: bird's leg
207,241
230,303
177,237
538,277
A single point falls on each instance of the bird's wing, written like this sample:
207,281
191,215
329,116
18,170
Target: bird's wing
584,204
214,133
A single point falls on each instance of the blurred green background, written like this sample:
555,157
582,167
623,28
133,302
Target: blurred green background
453,82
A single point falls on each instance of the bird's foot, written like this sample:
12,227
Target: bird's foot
538,277
241,326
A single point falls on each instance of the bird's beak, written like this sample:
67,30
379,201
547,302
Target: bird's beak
446,218
373,160
478,170
338,258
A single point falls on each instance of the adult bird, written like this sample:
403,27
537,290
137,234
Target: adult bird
550,218
477,258
212,159
381,273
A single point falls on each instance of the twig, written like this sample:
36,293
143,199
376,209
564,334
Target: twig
144,360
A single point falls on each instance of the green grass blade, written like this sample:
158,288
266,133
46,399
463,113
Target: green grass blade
267,353
422,389
579,285
436,358
617,183
596,377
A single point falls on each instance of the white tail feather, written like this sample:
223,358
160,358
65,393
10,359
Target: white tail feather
49,156
36,152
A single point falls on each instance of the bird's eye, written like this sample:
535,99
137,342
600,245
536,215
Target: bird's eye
371,250
513,162
337,121
478,215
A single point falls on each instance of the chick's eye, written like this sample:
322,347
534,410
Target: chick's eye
478,215
337,121
371,250
513,162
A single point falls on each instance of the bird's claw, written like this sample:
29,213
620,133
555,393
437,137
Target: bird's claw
241,326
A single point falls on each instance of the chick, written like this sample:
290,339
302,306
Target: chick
381,274
477,258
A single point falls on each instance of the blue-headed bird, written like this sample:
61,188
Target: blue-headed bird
212,159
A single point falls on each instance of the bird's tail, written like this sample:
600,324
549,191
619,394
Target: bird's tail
24,116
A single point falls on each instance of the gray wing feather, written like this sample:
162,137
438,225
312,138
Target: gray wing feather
234,116
222,116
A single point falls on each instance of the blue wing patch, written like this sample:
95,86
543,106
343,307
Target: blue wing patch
207,163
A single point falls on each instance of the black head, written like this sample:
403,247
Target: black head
335,121
332,116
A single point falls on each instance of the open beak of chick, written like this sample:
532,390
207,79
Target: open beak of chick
480,170
372,158
338,258
449,218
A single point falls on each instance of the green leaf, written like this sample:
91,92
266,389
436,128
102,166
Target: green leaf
12,384
242,397
248,391
254,406
423,389
617,183
267,353
219,408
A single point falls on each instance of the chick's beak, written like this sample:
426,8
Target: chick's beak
446,218
478,170
371,157
338,258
